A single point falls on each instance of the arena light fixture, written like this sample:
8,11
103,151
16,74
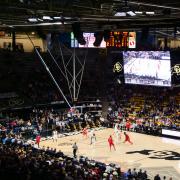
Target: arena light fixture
39,19
131,13
67,18
48,23
47,18
57,23
57,18
150,12
177,32
120,14
33,20
119,81
138,12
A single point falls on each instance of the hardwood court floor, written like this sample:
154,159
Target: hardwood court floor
154,154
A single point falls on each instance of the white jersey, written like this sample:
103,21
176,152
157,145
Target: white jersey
118,136
55,134
93,140
91,133
116,127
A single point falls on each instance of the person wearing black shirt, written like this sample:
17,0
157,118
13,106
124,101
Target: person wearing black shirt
157,177
75,148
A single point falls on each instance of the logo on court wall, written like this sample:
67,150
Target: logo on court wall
166,155
117,67
176,69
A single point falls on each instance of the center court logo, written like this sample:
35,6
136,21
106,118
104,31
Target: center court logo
166,155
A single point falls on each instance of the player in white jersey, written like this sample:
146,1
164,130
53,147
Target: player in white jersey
118,136
116,128
93,140
55,135
117,133
92,135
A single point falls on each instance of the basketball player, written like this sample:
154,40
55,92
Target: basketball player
38,139
85,132
91,135
111,142
127,138
93,139
122,124
116,127
118,136
117,133
55,135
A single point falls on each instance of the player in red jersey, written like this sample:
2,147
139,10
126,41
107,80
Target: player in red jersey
111,142
127,138
85,132
38,138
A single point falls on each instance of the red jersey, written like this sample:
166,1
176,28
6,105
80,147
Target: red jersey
127,138
110,140
38,138
85,131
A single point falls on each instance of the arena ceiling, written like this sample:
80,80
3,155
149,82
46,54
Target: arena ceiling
92,14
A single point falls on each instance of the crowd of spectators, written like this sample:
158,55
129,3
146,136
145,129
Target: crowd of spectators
39,121
23,161
44,120
144,108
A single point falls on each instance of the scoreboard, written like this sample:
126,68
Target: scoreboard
122,39
117,39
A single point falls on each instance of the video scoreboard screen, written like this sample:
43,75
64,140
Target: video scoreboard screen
147,67
122,39
89,38
116,39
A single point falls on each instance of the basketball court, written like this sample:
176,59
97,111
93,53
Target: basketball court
151,153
